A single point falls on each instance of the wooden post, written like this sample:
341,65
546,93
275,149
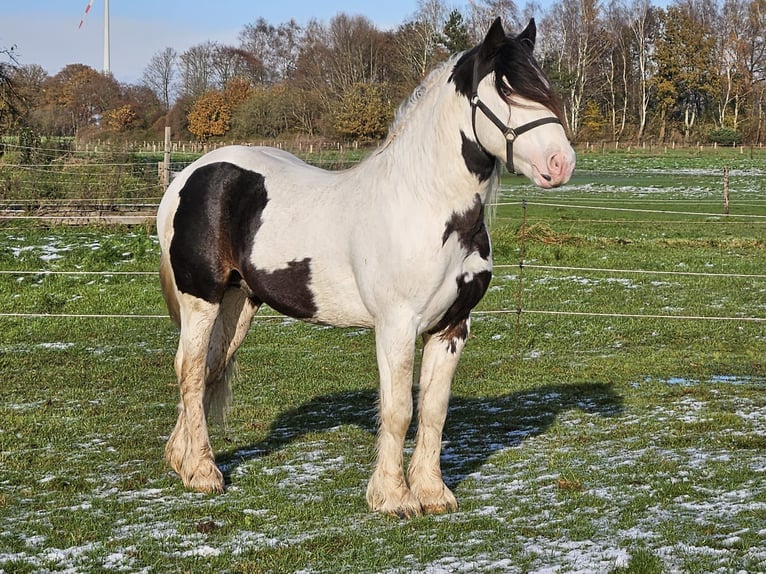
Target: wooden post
166,160
726,190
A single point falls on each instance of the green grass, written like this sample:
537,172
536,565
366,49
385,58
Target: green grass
580,442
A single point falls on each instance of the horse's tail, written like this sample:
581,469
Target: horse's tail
169,291
221,396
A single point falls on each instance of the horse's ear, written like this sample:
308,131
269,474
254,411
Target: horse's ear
494,38
530,33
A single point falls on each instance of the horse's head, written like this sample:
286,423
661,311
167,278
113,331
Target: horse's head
515,115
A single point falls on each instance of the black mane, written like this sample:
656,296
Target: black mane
513,60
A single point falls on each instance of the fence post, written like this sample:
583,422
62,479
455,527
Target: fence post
520,293
726,190
166,160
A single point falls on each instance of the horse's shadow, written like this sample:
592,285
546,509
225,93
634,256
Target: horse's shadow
475,429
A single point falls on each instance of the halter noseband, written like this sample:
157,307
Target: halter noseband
510,133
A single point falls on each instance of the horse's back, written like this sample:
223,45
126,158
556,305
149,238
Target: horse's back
263,216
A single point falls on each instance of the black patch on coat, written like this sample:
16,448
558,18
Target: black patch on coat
469,292
215,226
286,290
470,228
478,161
473,237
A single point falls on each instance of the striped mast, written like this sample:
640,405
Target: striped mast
107,67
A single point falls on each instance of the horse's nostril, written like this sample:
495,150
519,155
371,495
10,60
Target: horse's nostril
556,164
546,177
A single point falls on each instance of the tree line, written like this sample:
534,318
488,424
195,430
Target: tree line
626,69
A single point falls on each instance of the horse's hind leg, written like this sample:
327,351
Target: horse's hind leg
441,353
210,336
188,449
231,326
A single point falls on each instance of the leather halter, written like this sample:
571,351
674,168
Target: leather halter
510,133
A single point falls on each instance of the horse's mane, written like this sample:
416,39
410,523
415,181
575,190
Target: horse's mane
407,106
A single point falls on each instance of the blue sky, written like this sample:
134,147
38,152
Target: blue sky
45,32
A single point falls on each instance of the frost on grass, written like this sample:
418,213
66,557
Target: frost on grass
559,490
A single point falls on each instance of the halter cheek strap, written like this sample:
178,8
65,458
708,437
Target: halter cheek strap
510,133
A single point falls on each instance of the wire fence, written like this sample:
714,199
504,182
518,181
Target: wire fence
521,266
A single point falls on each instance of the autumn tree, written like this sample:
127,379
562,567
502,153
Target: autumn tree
364,113
75,98
121,119
210,115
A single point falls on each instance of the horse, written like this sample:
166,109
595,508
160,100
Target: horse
397,243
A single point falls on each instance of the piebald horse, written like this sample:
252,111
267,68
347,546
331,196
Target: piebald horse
397,243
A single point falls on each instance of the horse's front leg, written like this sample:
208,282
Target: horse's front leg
387,490
441,353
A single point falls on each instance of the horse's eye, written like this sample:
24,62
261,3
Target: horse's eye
506,90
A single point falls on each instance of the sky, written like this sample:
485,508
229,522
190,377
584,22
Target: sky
45,32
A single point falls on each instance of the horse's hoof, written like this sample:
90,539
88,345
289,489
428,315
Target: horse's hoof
405,512
440,503
439,508
207,479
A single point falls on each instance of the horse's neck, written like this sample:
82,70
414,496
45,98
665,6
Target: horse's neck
427,149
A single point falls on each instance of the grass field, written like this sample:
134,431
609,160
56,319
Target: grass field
618,424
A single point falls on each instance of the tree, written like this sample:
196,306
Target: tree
643,25
455,34
121,119
77,97
276,48
197,70
364,113
616,65
574,43
684,54
334,57
255,117
483,12
752,52
210,115
10,100
160,75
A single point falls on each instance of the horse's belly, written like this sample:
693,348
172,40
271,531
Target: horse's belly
309,289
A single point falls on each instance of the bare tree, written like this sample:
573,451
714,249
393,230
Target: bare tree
160,75
616,67
730,70
277,48
431,16
197,70
752,49
9,97
643,25
418,43
481,13
573,36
